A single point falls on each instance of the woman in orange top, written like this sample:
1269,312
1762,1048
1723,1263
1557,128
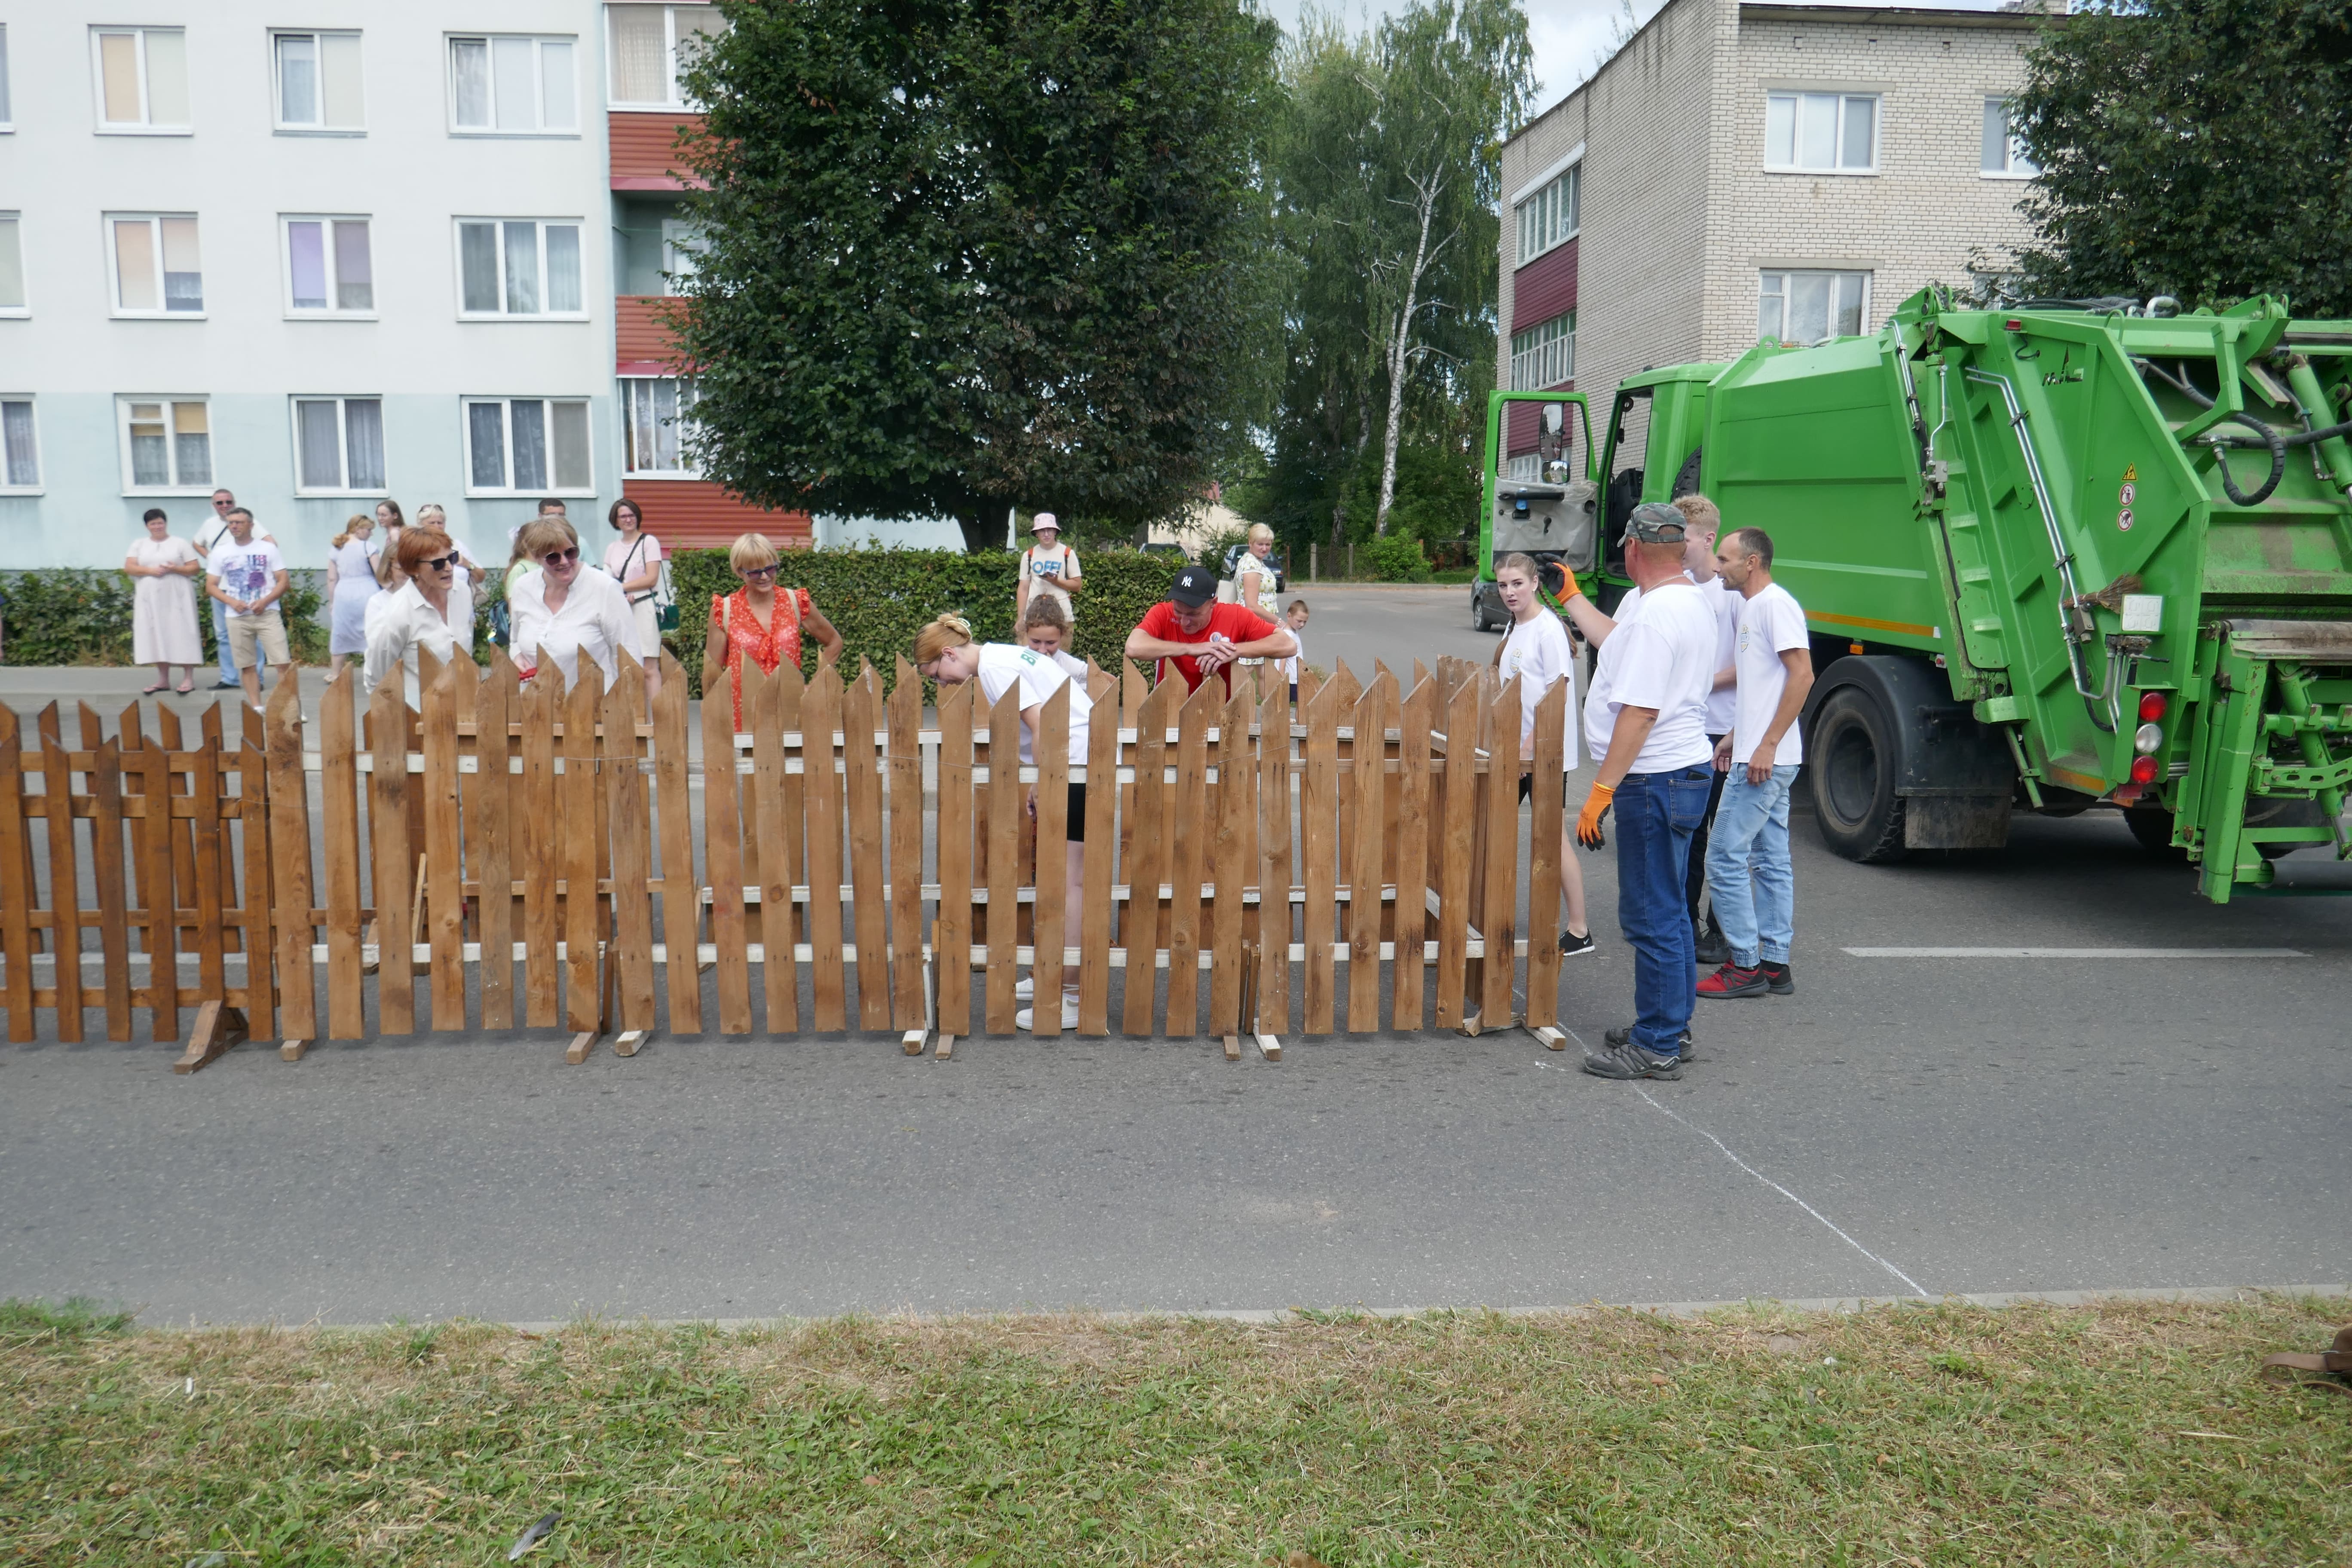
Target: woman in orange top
759,623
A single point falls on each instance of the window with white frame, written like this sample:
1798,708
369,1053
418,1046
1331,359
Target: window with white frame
20,449
512,86
12,265
682,247
1820,133
1545,354
141,77
167,445
329,268
527,446
339,446
1805,307
2004,150
7,119
1549,217
651,48
518,266
657,427
318,86
156,266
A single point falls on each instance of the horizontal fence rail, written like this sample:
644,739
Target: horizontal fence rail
519,854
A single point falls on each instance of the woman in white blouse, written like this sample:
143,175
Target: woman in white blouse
417,614
162,609
565,608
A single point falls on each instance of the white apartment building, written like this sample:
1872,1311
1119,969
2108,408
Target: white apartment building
1743,171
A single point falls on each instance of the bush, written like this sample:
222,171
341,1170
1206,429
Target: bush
1396,559
64,615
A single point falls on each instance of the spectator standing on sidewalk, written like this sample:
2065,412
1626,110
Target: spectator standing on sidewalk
246,576
210,538
1535,652
1199,637
162,611
1645,717
1749,872
1049,569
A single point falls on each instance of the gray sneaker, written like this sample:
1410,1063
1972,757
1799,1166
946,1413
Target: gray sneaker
1624,1037
1632,1061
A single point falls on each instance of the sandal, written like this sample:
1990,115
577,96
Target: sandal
151,690
184,688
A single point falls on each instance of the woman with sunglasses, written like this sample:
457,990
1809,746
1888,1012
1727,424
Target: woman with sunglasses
417,614
565,607
759,622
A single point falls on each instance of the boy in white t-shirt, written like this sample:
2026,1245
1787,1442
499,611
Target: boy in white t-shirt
1748,864
1294,620
1536,652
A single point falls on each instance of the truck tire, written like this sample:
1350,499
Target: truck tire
1686,478
2152,826
1851,755
2275,811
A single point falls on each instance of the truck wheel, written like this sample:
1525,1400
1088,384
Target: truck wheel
1686,478
2152,826
1478,608
2271,811
1852,757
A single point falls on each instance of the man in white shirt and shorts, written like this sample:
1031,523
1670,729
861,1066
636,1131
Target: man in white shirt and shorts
1645,717
1747,866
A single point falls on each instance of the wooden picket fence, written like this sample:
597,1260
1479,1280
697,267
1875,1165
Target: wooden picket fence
1235,845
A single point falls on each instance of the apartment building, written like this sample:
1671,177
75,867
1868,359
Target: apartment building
1743,171
333,252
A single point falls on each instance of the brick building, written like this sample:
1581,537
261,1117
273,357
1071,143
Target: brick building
1743,170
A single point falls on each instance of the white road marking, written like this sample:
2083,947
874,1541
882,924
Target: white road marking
2076,953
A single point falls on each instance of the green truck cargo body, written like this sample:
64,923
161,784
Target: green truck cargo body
2023,522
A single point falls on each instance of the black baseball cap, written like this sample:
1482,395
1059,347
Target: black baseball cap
1194,586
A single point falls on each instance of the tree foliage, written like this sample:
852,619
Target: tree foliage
962,256
2197,148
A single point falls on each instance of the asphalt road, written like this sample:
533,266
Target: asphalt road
1902,1123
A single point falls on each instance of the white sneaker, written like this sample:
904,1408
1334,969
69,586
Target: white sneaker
1024,989
1025,1020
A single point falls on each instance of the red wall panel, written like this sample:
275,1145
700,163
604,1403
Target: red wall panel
638,336
1544,286
696,514
644,151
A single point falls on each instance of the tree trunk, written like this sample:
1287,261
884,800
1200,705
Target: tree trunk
1400,355
981,535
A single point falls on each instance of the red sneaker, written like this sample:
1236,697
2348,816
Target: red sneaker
1733,981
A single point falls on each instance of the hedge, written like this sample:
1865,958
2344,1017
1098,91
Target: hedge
82,615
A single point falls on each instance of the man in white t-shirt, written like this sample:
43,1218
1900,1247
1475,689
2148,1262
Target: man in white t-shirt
246,576
208,539
1748,864
1645,718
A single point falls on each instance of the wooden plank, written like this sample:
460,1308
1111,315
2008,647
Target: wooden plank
1051,747
224,865
906,715
212,977
786,924
681,903
821,707
1102,834
1409,868
1235,859
107,868
1547,799
17,882
445,865
340,828
1351,691
951,925
489,832
1457,817
1318,806
1309,683
217,1028
578,851
1189,832
1147,859
1501,907
1134,691
1272,970
861,715
633,851
1371,719
290,861
767,827
537,823
257,919
183,834
393,860
1005,800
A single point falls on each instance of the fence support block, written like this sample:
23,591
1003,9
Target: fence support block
292,1050
1553,1040
629,1042
1269,1048
218,1026
945,1049
1232,1047
581,1044
1470,1026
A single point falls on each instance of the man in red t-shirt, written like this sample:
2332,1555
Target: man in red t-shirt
1200,637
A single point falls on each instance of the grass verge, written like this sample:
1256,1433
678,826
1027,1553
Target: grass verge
2121,1433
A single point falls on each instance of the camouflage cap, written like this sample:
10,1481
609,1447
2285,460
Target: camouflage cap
1655,523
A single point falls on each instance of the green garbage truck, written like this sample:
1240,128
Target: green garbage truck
2064,555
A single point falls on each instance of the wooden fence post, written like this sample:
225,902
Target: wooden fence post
579,854
1457,821
17,882
1547,806
1189,831
1049,932
289,865
1273,865
1502,856
821,707
861,716
1103,793
1318,808
951,926
1006,795
490,816
1364,873
722,846
632,859
1147,859
906,749
1412,866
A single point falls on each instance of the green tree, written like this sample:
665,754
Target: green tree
2197,148
963,255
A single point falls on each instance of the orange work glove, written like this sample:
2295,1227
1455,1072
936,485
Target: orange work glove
1587,821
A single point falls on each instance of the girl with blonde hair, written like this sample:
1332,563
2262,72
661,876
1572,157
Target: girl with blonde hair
1045,628
760,621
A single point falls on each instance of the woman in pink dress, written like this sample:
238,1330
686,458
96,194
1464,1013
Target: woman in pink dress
759,621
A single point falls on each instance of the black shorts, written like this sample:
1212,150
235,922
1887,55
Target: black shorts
1074,830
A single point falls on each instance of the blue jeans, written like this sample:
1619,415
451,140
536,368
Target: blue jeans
1748,868
220,637
1656,814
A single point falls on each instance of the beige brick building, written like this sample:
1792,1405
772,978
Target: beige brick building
1743,170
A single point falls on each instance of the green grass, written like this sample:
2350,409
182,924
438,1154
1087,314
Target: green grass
2128,1433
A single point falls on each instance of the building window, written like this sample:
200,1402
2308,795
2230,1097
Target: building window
20,453
157,271
1544,355
7,120
518,266
1821,132
1800,308
167,445
142,79
657,426
319,81
652,47
2004,150
328,271
513,86
339,446
1549,216
12,265
682,247
527,446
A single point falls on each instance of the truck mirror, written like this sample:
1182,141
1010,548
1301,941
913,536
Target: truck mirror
1554,418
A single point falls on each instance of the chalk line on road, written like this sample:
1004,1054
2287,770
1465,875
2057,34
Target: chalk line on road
2076,951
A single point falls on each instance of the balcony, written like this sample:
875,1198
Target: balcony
641,344
644,149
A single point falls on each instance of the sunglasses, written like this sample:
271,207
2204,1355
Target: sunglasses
747,573
440,562
557,557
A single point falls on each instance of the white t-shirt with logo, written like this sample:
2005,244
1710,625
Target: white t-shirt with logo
1537,652
1770,624
1659,656
1721,705
1003,667
246,571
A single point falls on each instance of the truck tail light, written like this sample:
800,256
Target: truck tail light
2152,705
2147,738
2144,770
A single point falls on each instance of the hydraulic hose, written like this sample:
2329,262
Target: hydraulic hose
2271,439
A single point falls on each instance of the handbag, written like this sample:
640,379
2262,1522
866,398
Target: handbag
664,593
